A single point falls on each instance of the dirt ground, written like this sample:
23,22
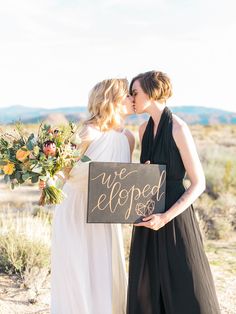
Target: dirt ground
15,299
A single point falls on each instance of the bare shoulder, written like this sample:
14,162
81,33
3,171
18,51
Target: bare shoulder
85,128
142,129
131,139
88,132
180,131
129,134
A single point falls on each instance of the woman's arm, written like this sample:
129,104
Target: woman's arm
192,164
193,167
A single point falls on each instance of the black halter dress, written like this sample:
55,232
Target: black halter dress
168,270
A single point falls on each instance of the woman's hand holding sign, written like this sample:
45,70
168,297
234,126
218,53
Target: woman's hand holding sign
155,221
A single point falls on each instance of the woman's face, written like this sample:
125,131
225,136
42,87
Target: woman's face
127,105
141,100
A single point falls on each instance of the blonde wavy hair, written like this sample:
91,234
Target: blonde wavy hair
105,108
104,103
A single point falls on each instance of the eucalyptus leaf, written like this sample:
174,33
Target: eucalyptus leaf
26,176
6,178
31,137
34,179
85,158
18,175
30,144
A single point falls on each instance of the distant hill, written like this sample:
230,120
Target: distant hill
35,115
191,114
204,115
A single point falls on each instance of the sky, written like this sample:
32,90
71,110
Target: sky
53,52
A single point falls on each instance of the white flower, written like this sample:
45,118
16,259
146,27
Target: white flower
75,139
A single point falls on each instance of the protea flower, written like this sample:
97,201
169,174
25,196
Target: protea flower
49,148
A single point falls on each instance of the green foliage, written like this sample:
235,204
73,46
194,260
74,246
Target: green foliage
85,159
31,142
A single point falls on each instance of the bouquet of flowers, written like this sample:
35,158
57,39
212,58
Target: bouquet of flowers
27,157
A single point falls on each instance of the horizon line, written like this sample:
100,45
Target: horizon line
81,106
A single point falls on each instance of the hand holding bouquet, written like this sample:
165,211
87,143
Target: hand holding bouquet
43,157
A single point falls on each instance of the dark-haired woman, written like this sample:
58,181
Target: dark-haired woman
169,271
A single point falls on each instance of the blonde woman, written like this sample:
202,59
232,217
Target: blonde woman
88,267
169,272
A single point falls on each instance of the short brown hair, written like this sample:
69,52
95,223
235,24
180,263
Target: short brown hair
155,84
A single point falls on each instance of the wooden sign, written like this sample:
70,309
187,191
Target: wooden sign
125,192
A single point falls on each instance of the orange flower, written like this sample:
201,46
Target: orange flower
21,154
9,168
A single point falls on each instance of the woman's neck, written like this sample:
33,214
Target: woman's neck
155,111
122,123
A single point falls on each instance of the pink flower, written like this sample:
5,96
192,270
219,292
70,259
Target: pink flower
49,148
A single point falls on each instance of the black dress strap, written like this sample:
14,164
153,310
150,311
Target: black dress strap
149,141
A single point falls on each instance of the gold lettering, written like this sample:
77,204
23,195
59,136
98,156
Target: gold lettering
161,182
145,189
120,197
105,180
101,199
132,197
112,196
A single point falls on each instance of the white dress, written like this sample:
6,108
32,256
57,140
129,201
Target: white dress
88,265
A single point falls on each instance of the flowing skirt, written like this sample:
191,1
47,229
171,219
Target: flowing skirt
88,267
169,272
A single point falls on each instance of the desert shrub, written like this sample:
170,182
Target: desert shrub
208,225
217,216
34,225
24,241
206,218
232,215
226,204
18,253
44,214
229,174
220,172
